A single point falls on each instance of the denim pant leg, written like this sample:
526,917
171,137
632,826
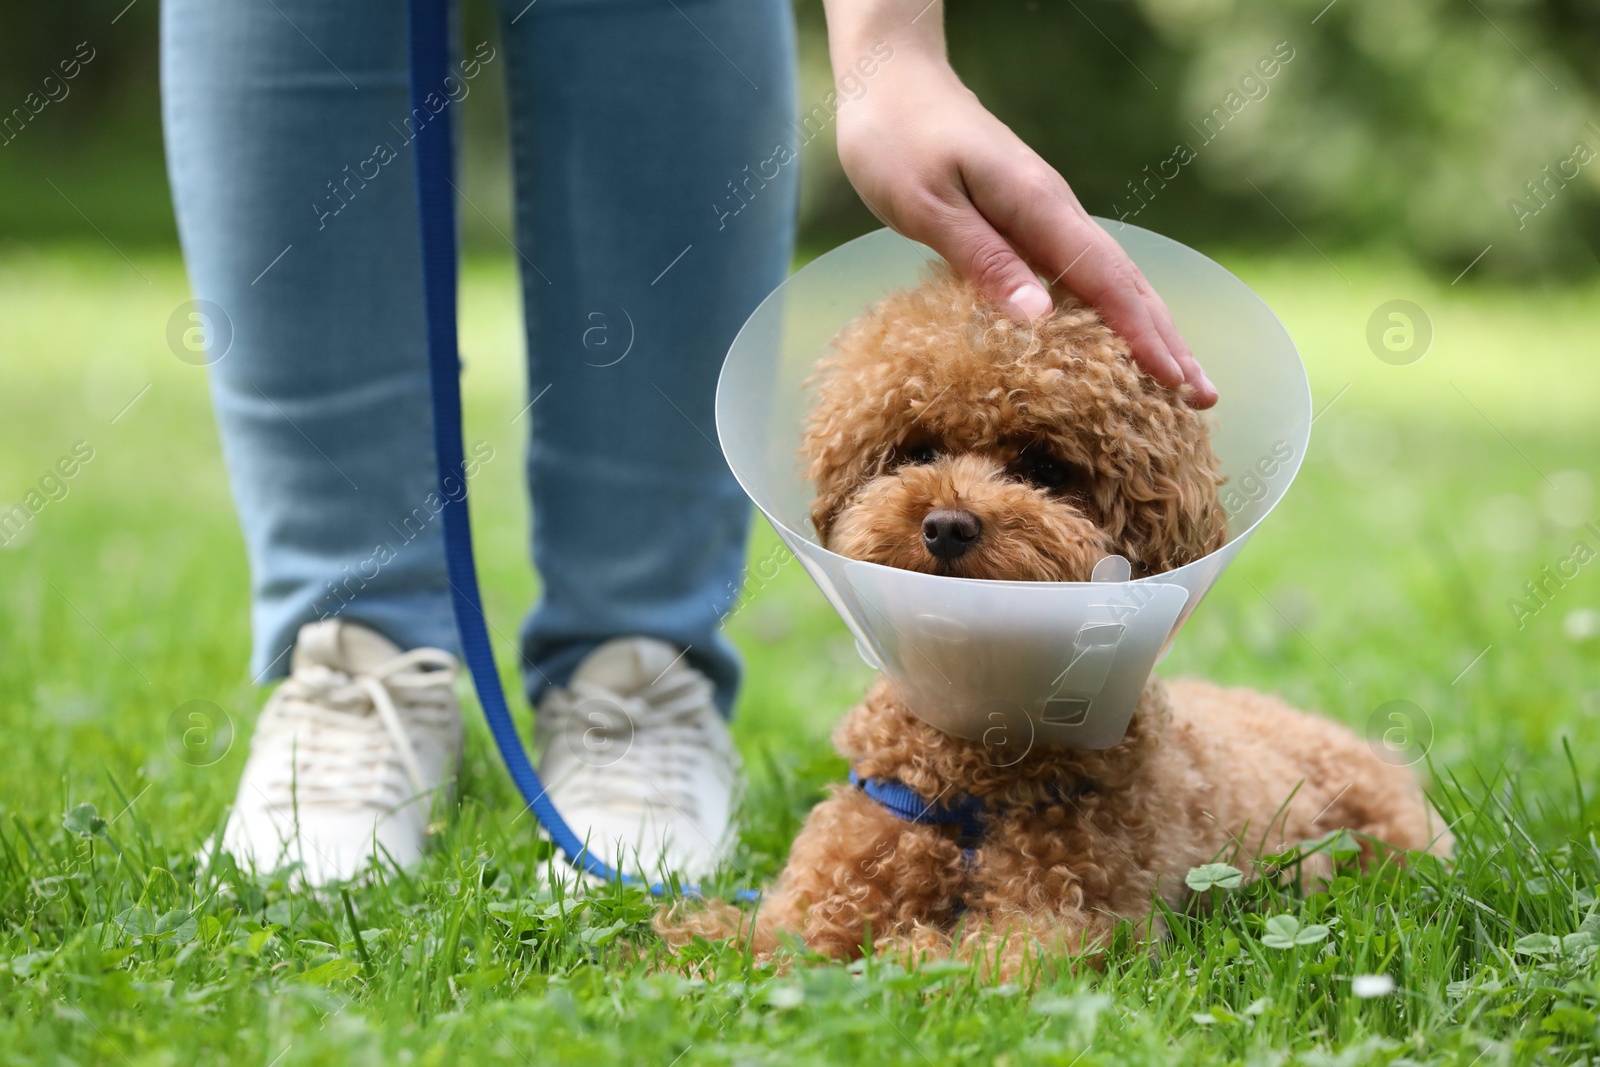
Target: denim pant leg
293,186
656,185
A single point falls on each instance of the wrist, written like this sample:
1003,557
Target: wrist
881,74
910,30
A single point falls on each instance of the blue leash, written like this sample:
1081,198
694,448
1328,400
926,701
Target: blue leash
429,35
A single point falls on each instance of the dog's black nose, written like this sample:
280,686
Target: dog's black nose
947,533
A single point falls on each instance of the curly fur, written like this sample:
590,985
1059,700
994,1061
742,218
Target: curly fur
936,399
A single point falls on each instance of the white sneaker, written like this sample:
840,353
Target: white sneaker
348,756
638,760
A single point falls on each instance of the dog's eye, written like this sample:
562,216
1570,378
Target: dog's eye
919,455
1044,472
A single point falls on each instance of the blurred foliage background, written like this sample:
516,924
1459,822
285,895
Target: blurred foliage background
1417,126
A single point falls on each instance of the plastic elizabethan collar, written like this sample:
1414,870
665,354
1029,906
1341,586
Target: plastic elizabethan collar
1014,663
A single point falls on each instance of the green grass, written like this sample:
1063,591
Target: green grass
1431,494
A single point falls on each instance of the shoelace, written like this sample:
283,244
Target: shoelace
658,766
348,735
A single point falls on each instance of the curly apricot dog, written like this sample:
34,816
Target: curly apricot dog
950,439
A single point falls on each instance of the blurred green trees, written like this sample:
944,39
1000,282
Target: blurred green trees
1410,123
1439,128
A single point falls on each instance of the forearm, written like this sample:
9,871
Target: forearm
911,28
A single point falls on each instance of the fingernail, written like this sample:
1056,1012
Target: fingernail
1030,301
1205,380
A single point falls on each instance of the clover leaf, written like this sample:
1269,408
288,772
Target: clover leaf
84,820
1213,876
1285,931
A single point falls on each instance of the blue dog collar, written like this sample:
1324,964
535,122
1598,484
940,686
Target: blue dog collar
967,813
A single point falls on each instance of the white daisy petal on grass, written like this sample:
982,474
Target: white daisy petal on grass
1367,986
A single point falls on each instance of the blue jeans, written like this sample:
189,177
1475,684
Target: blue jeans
647,207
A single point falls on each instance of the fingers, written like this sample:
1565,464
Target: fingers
1005,213
1096,269
1052,229
1093,266
986,259
1205,394
1106,278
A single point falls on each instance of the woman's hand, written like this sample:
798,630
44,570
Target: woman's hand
933,163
